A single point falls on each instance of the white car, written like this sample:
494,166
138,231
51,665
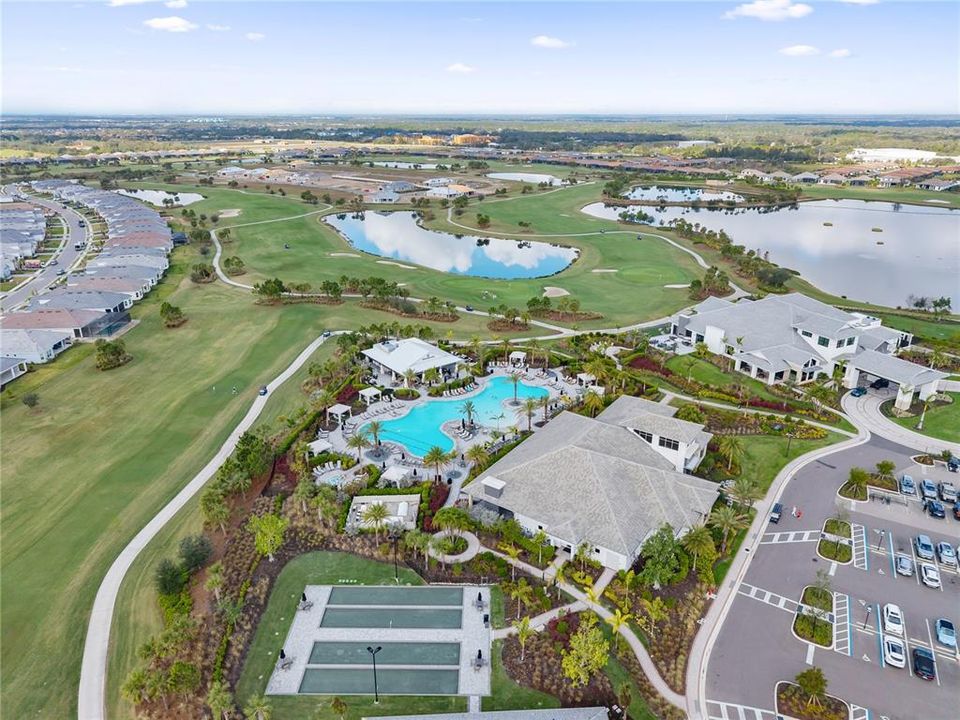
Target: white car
894,653
930,575
892,620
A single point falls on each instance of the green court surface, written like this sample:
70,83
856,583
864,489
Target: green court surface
389,682
452,596
391,618
390,653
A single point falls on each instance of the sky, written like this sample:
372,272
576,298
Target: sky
211,58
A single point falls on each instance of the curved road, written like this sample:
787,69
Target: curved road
865,411
91,703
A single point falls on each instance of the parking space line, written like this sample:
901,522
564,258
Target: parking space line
933,651
842,640
880,637
717,710
810,650
859,713
861,558
893,558
795,536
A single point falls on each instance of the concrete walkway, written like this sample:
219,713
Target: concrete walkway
865,412
91,703
473,548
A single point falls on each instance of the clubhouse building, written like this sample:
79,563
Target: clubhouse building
395,358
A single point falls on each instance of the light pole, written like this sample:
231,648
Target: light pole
373,654
394,537
882,534
865,621
922,416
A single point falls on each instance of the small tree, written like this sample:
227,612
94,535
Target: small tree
171,315
661,558
214,581
258,708
268,531
813,684
885,468
219,700
699,543
524,632
111,354
31,400
588,654
858,480
337,706
168,578
617,621
195,550
375,515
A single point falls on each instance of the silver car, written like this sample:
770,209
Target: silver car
946,554
904,565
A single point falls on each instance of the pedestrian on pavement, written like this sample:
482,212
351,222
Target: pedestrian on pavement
794,511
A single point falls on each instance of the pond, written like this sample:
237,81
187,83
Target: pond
398,235
680,194
156,197
874,252
535,178
405,165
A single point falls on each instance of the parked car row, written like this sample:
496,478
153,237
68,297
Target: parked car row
894,642
933,496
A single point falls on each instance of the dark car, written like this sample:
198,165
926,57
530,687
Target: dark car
923,664
468,308
953,464
263,390
956,512
880,384
858,391
775,513
935,508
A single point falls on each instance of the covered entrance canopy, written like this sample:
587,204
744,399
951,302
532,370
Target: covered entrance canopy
909,377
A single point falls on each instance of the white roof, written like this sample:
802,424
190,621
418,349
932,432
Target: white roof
410,354
318,446
338,409
370,392
395,473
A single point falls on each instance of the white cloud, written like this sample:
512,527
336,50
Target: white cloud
552,43
176,3
461,68
771,10
121,3
218,28
254,36
800,51
840,53
171,24
860,2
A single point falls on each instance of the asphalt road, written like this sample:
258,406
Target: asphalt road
756,647
66,258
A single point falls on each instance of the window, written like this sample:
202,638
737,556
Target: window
822,341
839,343
645,435
806,333
851,341
669,444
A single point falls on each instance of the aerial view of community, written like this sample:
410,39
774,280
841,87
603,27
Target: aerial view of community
439,360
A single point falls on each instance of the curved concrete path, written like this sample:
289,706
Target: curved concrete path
91,701
473,547
865,412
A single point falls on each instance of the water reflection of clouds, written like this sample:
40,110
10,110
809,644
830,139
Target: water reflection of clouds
508,252
410,242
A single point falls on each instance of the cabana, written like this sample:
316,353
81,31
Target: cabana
518,357
585,379
370,395
338,411
319,446
396,475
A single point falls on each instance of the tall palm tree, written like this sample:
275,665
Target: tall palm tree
529,408
731,449
375,515
524,632
617,621
544,403
359,443
437,457
858,481
475,345
746,492
522,593
469,409
533,347
698,541
506,346
375,427
515,379
478,455
592,403
409,378
727,519
512,552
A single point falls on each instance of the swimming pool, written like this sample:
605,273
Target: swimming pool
419,430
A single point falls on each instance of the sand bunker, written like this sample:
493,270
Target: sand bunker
680,285
344,255
604,270
396,264
554,292
230,212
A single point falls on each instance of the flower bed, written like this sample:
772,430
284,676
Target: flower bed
811,628
832,549
792,703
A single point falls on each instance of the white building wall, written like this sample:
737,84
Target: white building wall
713,337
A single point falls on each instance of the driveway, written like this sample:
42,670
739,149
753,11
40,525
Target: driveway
865,412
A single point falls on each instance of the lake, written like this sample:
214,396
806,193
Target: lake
919,254
405,165
398,236
156,197
535,178
680,194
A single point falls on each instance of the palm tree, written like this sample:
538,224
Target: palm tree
359,443
592,403
515,379
512,552
325,503
258,708
431,375
597,367
820,394
418,541
529,408
375,515
698,541
469,409
437,457
375,427
727,520
813,684
629,579
534,349
746,492
409,378
219,700
655,611
451,518
937,359
731,449
478,455
522,593
524,632
540,540
545,405
885,468
560,577
338,707
506,347
858,481
214,581
617,621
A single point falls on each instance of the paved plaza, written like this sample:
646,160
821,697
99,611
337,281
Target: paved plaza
432,641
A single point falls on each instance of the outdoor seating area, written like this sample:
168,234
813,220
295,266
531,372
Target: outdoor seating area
460,391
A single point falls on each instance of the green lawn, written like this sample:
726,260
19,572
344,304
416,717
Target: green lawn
765,456
323,568
941,421
902,195
922,328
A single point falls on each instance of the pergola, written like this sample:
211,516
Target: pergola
518,357
319,446
370,395
585,379
338,411
396,475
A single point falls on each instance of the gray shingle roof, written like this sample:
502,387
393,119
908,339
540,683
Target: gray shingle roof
640,414
895,369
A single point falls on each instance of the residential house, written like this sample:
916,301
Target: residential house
11,369
78,324
938,185
73,299
33,346
832,179
805,177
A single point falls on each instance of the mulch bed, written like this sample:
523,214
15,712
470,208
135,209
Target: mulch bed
506,326
790,702
558,316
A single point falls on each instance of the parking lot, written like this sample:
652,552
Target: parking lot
745,663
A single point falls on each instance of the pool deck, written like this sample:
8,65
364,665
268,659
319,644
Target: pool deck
305,630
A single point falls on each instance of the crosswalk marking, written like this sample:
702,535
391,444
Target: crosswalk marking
859,713
861,559
765,596
841,628
717,710
796,536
